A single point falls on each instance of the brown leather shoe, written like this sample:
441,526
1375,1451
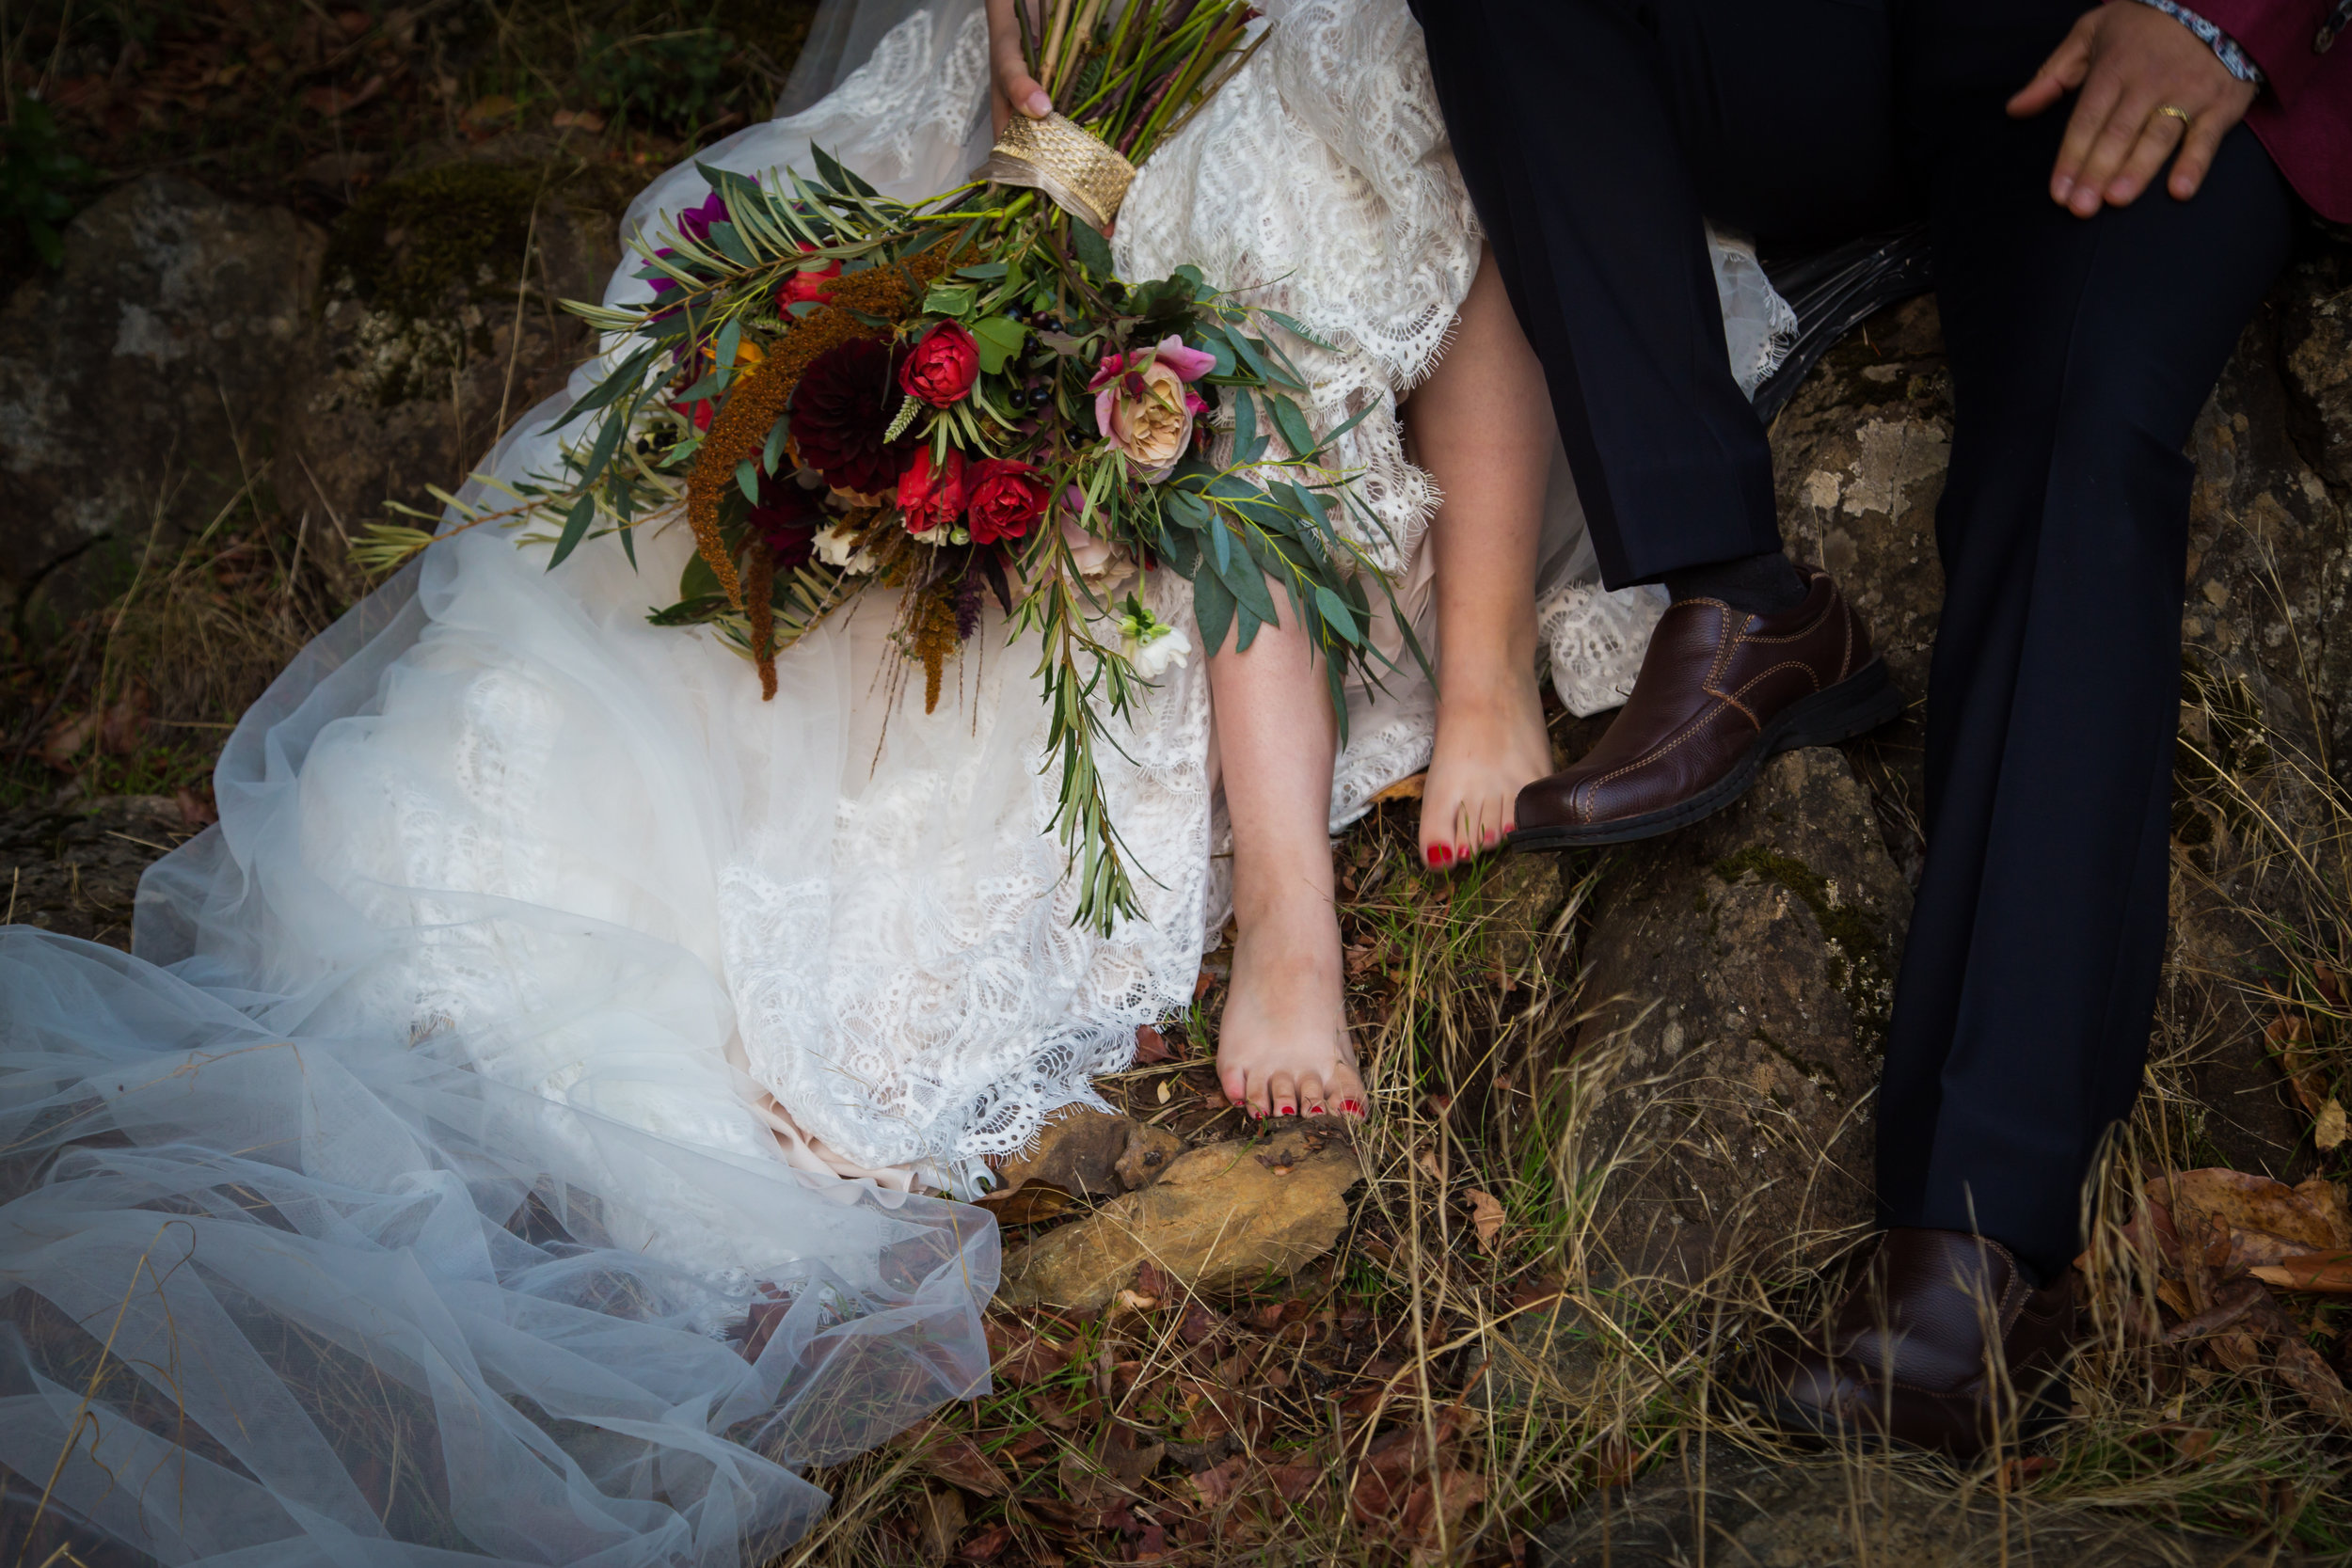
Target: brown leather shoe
1942,1345
1720,693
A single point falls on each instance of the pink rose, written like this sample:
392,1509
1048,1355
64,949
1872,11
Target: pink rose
931,496
942,366
1143,405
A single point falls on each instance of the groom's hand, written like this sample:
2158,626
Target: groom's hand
2151,90
1014,88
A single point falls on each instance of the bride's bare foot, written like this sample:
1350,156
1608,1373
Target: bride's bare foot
1491,742
1282,1047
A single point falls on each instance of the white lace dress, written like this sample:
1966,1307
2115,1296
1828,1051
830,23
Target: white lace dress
891,923
506,1037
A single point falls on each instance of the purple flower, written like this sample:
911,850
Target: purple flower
695,223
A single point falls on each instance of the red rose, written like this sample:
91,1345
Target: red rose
942,366
1007,497
808,285
932,495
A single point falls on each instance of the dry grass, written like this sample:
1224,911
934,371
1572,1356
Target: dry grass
1486,1387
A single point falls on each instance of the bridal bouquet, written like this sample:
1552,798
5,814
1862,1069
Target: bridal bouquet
960,402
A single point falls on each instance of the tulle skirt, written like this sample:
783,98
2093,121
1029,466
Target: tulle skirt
454,1174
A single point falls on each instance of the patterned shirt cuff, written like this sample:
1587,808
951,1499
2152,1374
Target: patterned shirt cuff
2224,47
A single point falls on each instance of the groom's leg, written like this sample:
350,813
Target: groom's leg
1594,134
2080,352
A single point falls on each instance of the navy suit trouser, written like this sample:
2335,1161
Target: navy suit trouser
1598,137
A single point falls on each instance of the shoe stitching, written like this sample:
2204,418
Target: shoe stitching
1745,711
1689,732
1774,670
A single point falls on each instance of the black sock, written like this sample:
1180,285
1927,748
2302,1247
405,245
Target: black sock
1760,585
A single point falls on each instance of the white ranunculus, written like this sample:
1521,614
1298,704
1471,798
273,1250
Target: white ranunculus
1163,649
834,546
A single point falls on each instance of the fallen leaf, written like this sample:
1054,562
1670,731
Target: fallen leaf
1486,1217
2328,1130
1131,1301
1221,1483
194,810
2289,1037
67,739
2232,1303
333,101
1022,1355
578,120
2255,1220
2327,1273
1404,789
939,1519
983,1546
1151,1047
956,1459
1031,1203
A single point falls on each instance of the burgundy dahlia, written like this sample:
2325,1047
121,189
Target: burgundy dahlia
839,411
786,518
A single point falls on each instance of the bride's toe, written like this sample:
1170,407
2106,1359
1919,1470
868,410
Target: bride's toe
1283,1091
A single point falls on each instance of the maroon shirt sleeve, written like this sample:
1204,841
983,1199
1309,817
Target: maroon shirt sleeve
2278,36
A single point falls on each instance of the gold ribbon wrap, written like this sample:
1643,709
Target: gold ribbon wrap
1084,175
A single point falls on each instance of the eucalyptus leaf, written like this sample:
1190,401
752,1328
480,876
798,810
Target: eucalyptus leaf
574,529
1297,433
747,480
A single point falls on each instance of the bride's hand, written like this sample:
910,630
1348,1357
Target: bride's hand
2151,90
1014,86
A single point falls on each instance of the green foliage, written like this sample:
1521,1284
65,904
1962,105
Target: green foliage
39,178
671,81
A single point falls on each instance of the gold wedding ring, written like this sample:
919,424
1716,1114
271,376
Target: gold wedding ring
2176,112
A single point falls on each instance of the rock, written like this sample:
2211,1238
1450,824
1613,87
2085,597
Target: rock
75,870
140,383
1224,1215
1094,1154
1823,1513
1744,971
439,324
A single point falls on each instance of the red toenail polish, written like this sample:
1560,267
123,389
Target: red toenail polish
1351,1107
1288,1111
1490,835
1440,854
1315,1110
1462,851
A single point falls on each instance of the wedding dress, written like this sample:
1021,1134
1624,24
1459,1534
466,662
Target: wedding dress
545,1004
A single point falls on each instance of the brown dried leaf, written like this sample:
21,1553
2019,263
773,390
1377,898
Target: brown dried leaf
956,1459
2258,1220
939,1519
1404,789
1151,1047
2289,1037
983,1546
1022,1356
1221,1483
1486,1217
2328,1127
1031,1203
2327,1273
